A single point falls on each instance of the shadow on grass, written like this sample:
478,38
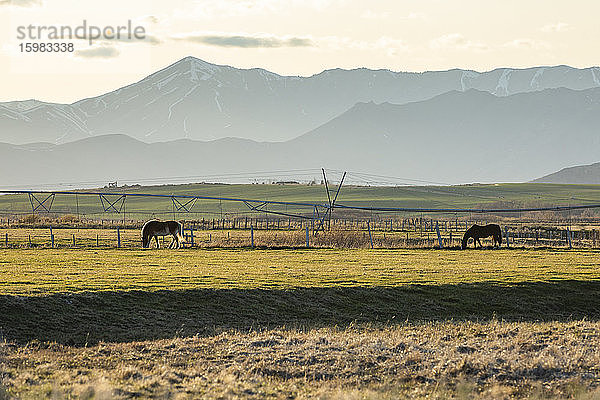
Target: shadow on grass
77,319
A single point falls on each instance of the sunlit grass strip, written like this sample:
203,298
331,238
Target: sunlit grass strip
44,271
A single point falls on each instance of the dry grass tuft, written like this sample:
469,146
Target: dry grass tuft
499,360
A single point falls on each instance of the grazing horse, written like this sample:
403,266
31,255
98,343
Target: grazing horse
154,229
477,231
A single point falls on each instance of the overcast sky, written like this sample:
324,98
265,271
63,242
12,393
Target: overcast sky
292,37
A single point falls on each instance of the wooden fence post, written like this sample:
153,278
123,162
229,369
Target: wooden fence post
252,235
569,238
437,230
118,237
370,236
506,236
307,238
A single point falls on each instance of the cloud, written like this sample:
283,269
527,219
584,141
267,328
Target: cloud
370,14
391,46
555,28
153,40
245,40
153,19
21,3
243,8
456,41
98,52
525,43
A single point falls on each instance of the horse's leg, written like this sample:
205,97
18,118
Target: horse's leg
157,244
479,241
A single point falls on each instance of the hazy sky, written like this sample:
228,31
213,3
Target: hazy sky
292,37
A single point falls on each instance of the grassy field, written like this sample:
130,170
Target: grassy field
476,195
308,323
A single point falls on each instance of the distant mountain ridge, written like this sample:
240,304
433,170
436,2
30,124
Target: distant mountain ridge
581,174
455,137
193,99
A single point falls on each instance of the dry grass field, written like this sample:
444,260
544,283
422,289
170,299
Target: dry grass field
37,237
498,360
299,323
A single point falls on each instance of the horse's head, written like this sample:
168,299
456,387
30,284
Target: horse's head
465,240
145,241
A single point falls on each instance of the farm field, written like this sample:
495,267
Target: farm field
278,323
464,196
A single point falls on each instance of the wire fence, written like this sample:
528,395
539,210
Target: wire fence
342,234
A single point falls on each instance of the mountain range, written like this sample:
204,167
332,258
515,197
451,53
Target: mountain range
455,137
193,99
194,118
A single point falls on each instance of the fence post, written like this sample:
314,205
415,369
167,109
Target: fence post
506,236
29,238
307,238
192,237
97,241
569,238
6,239
437,230
252,235
73,240
370,236
51,238
118,237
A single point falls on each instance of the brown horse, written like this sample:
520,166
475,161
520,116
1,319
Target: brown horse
477,232
155,228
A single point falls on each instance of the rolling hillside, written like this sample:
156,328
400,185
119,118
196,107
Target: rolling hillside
463,196
582,174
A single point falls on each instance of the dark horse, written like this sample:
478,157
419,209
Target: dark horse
477,232
154,229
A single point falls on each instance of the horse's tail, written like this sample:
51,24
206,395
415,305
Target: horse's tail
180,236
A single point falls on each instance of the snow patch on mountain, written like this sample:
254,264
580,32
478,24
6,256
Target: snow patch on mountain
217,101
201,70
594,76
502,86
466,76
535,81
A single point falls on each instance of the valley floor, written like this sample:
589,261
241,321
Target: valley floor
299,323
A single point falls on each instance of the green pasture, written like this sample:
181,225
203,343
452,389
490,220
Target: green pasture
78,296
465,196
